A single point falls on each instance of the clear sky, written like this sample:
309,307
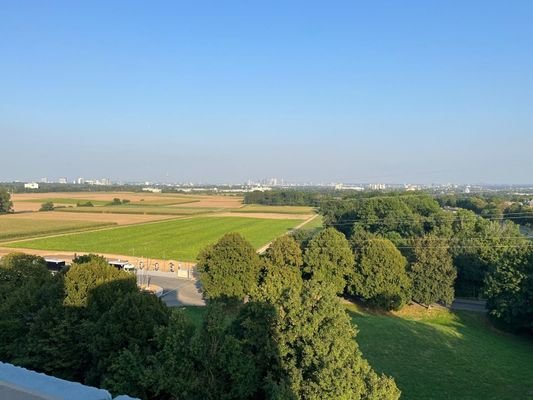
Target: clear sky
354,91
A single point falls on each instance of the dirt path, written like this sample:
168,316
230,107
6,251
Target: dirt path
261,250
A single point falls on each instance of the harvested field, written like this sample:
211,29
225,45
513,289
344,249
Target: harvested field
32,201
108,218
17,228
179,239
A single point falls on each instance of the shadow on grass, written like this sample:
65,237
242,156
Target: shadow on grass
445,355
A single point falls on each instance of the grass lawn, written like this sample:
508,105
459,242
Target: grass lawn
447,355
442,356
180,239
11,228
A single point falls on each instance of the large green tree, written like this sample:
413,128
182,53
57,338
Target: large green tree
26,288
82,279
282,264
329,258
509,290
318,356
432,271
6,205
230,268
380,275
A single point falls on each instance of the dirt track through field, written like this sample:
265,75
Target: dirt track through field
266,246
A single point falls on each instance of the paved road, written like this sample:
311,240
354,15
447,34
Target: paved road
469,305
177,291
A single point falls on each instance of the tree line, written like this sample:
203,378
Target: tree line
273,328
284,198
486,258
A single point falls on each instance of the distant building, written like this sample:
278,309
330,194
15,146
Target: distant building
44,180
151,189
31,185
342,186
377,186
62,180
80,181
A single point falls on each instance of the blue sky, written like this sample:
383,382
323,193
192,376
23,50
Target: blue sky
355,91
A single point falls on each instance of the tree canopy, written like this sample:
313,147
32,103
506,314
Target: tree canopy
6,205
380,275
229,268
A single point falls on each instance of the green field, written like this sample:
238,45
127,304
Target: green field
447,356
256,208
18,228
180,239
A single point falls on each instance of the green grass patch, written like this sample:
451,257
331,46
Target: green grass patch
257,208
447,356
195,313
180,239
18,228
316,223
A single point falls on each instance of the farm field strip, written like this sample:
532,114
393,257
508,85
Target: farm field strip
179,239
61,200
11,228
257,208
140,210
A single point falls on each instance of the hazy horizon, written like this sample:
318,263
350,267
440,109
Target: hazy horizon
211,92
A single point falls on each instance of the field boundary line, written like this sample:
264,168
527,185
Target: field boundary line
264,248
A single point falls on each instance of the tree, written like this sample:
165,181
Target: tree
224,369
131,321
432,271
329,258
509,291
318,356
26,287
281,268
6,205
230,268
81,279
85,258
380,275
48,206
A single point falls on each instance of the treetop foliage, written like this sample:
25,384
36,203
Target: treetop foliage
6,205
229,268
